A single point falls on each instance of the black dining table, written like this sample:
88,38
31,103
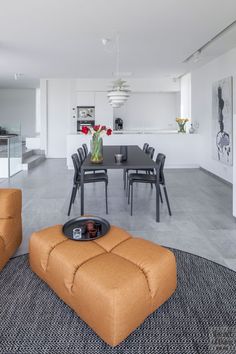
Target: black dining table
136,159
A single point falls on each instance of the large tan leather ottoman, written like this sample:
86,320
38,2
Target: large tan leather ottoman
112,283
10,223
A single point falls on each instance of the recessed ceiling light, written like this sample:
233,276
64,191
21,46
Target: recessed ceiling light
106,41
18,76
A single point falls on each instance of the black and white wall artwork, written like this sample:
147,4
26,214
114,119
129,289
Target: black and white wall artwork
222,120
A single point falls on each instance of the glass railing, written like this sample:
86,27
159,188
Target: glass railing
10,151
10,128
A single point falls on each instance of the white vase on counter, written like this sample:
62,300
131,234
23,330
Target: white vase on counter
191,129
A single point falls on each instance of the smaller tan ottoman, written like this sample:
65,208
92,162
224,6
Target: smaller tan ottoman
112,283
10,223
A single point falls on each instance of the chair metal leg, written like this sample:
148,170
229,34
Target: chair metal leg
127,182
106,197
124,178
160,195
167,199
77,188
73,193
82,191
149,173
131,207
128,189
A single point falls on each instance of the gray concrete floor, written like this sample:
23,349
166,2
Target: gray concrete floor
202,221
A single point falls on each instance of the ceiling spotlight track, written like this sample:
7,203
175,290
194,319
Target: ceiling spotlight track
195,57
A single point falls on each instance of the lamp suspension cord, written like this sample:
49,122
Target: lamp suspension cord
117,55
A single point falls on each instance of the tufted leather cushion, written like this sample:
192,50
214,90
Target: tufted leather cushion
10,203
10,223
112,283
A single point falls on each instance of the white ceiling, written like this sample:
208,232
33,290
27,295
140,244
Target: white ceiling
62,38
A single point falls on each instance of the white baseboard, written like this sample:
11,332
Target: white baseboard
182,166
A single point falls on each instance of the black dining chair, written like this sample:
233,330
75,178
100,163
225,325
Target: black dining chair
150,153
88,178
151,179
81,154
126,171
81,157
145,147
85,148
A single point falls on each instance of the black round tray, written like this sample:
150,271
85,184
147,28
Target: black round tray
89,228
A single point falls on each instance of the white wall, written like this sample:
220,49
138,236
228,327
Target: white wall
37,112
58,115
60,96
202,80
185,89
18,107
44,115
149,111
162,98
103,110
136,85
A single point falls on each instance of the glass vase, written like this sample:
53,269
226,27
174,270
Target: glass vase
96,145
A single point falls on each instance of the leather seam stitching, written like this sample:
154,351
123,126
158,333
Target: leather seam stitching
112,247
3,242
139,269
114,314
100,246
77,268
119,244
51,249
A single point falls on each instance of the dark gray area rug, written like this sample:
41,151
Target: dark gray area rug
199,318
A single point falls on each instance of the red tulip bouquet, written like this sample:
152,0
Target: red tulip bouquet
96,143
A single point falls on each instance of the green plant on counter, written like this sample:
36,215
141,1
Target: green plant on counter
182,124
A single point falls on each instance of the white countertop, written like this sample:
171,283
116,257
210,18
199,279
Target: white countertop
145,131
123,132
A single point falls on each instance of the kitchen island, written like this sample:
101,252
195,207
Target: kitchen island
181,150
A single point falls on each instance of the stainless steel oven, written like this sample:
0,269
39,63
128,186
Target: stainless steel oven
84,123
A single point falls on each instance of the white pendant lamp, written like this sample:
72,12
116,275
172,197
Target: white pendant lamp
119,92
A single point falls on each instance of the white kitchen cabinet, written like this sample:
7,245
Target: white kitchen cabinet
103,110
85,98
